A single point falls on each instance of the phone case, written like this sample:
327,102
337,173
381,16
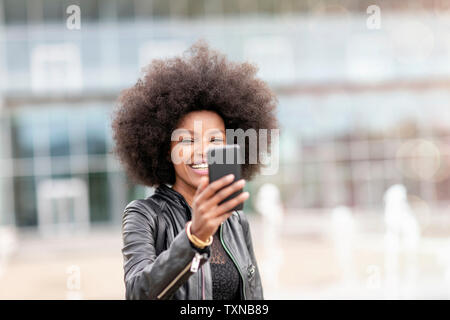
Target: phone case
222,161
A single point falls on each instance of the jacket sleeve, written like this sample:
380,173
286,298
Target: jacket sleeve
258,292
147,276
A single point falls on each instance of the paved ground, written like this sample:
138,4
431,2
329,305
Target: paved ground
308,263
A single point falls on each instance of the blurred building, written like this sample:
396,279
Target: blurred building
361,107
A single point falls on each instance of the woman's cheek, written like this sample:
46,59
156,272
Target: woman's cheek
181,154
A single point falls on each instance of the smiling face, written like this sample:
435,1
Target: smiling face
196,132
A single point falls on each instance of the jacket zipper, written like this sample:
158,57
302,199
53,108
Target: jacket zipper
192,266
203,284
234,261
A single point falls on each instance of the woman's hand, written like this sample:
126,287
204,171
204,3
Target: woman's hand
207,213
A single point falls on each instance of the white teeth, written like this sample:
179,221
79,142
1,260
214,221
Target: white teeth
200,166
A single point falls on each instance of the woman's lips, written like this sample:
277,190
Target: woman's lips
198,171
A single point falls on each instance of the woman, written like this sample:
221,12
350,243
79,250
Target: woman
181,243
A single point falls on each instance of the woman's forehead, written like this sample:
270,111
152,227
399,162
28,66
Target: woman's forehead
204,131
199,121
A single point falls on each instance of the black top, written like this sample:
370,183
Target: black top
225,276
149,280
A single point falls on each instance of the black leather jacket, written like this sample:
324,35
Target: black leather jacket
173,273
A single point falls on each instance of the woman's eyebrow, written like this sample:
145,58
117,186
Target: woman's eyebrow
211,131
182,130
217,130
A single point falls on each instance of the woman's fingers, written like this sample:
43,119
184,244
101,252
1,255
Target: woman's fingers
223,217
203,183
208,214
224,193
230,204
213,187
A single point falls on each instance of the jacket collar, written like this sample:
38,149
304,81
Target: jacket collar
174,197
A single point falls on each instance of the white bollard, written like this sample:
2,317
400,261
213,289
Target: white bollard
343,234
402,236
8,244
268,203
443,258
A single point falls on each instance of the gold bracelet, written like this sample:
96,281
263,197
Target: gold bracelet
192,238
205,243
195,240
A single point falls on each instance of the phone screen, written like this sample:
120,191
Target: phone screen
224,160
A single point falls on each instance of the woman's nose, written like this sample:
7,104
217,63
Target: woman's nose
201,151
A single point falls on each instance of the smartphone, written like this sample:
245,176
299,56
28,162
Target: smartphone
224,160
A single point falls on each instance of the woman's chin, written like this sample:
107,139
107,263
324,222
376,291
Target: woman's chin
196,179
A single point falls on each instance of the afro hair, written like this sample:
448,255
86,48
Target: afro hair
200,79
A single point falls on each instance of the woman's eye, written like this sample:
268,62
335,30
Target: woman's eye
216,140
187,140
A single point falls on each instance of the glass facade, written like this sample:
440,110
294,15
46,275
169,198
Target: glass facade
344,139
60,142
354,157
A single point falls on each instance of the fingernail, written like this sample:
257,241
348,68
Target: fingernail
242,182
230,177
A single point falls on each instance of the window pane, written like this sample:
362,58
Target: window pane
54,10
89,9
15,11
17,55
96,130
25,201
99,198
22,137
125,9
59,135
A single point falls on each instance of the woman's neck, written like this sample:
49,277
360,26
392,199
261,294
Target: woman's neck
185,190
